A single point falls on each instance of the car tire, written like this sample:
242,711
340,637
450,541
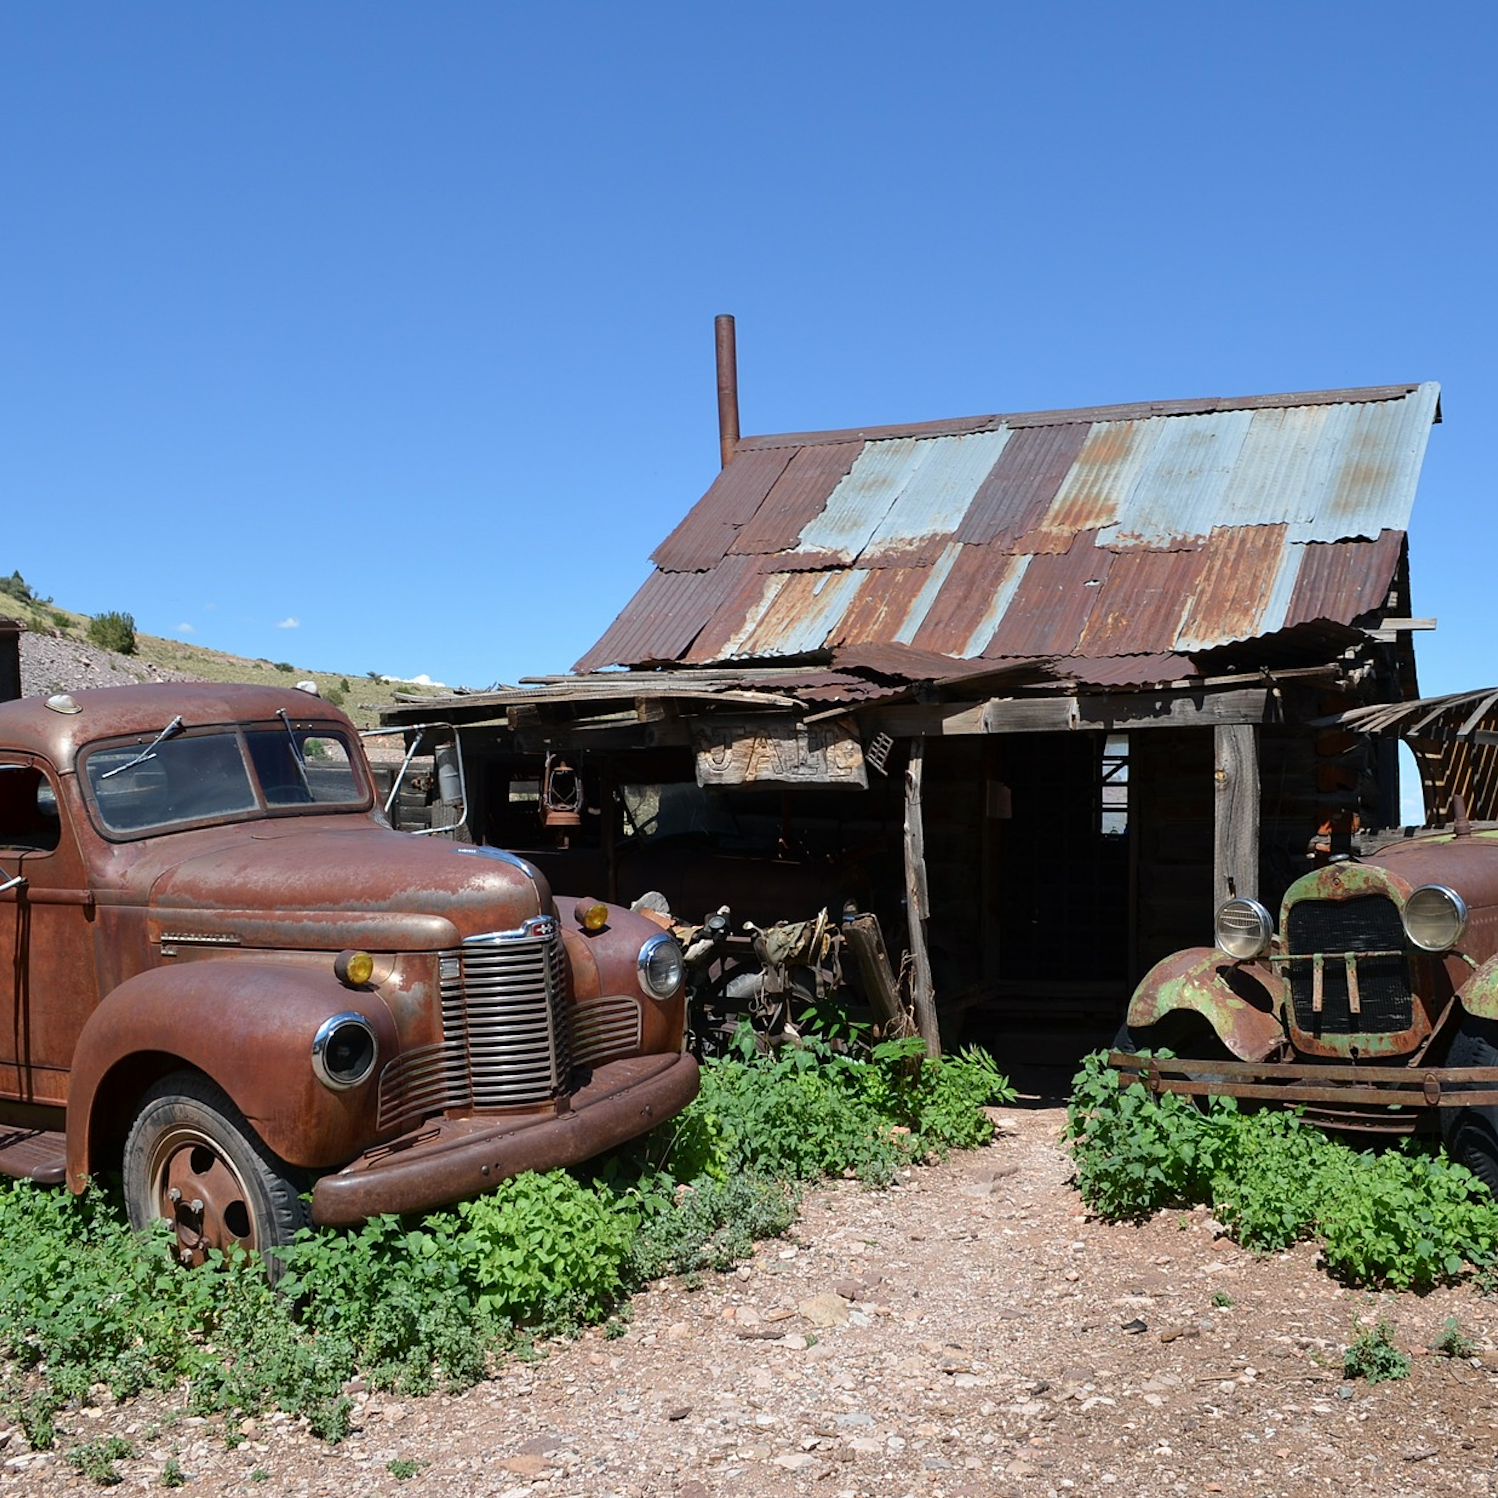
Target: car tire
1471,1134
192,1160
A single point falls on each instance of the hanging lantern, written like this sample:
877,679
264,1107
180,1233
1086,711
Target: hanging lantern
561,794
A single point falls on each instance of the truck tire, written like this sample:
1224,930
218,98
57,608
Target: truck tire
192,1159
1471,1134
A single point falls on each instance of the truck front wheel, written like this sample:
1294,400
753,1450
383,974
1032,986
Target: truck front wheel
1471,1134
192,1159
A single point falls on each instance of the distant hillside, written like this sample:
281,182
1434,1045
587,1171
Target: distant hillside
57,656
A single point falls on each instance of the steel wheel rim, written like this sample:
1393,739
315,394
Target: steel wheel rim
211,1207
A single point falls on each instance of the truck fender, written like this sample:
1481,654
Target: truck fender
1240,1000
1479,994
247,1025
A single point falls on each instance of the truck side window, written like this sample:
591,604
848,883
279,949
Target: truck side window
28,809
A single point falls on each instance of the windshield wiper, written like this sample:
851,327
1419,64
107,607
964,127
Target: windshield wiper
149,752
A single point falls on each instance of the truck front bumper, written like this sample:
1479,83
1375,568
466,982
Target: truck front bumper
451,1159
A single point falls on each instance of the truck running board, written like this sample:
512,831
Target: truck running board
39,1155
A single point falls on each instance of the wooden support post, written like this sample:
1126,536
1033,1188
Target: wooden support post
1235,848
918,901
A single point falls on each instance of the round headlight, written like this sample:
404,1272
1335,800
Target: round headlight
344,1051
1435,917
1243,929
660,966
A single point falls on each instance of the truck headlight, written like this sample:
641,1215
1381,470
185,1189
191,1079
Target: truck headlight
660,966
1435,917
344,1051
1243,929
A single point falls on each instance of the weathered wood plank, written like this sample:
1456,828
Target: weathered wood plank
1235,851
918,902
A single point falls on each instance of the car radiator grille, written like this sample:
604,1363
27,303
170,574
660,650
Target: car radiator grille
1363,938
505,1039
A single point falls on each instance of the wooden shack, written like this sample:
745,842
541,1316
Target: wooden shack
1040,689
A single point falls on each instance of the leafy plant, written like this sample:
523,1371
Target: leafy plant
172,1475
1453,1341
113,631
1222,1300
96,1459
1372,1356
403,1468
1404,1217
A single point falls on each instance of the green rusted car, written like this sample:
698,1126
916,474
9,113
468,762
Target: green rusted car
1374,1006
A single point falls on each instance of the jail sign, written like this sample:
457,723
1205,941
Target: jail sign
777,751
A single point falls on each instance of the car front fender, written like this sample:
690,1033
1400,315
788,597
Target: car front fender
1242,1001
246,1024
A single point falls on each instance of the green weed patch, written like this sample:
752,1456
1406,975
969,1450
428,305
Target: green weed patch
1405,1217
413,1305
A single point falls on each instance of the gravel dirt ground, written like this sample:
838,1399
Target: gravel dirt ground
969,1332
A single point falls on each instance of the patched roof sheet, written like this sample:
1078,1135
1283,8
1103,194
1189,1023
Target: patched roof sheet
1157,529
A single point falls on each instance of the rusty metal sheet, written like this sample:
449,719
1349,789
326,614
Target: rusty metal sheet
975,592
796,497
660,622
792,615
1177,491
857,506
1053,602
905,663
881,605
747,599
1127,670
1342,581
704,536
1091,495
937,491
1140,605
1014,497
1381,446
1233,588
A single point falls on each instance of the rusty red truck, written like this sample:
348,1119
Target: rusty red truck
224,975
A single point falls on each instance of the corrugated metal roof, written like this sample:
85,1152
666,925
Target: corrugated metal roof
1148,529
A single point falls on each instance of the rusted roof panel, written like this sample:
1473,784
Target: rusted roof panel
977,589
1234,587
1342,581
1021,485
1176,491
796,497
938,491
663,618
1230,520
1138,610
1091,495
880,608
711,525
1128,670
1051,606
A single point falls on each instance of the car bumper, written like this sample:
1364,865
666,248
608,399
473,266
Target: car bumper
451,1159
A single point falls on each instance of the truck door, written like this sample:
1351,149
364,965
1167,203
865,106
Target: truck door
46,949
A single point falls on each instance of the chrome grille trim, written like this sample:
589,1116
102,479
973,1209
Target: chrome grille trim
504,1027
605,1028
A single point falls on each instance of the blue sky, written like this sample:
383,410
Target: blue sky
378,336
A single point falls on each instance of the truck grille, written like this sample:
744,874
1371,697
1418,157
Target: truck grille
505,1039
1339,930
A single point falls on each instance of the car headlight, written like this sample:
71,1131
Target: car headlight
1243,929
1435,917
344,1051
660,966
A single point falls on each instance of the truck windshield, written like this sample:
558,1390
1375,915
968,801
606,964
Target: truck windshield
220,775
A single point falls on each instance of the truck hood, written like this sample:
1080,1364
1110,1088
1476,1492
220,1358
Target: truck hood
329,881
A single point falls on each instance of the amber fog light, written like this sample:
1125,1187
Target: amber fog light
344,1051
1435,917
1244,928
353,969
591,915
